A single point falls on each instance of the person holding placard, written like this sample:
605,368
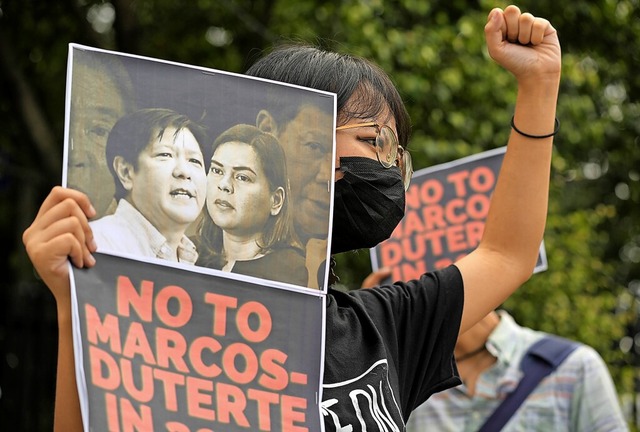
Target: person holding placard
388,349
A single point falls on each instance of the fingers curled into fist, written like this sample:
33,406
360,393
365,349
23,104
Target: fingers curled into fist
524,28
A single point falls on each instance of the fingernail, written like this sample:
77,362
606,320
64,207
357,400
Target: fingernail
90,260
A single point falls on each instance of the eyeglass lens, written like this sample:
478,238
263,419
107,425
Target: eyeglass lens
387,146
407,168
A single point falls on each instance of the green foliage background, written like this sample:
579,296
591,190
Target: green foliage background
460,103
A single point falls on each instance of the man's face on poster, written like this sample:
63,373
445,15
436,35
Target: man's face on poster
96,106
168,185
307,142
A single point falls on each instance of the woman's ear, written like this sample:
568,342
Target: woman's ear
124,171
266,123
277,201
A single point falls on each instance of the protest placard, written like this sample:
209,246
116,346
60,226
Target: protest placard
164,348
446,207
205,309
239,177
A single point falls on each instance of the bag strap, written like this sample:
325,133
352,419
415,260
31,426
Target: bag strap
542,358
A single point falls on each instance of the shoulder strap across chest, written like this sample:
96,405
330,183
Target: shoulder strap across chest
542,358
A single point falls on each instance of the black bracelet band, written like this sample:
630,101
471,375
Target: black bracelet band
555,131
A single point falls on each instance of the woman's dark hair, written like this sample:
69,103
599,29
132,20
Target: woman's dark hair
278,231
133,132
343,74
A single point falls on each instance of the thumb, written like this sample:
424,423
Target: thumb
495,31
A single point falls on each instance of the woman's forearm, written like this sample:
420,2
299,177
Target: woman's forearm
68,417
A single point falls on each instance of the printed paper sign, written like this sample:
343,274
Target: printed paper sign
213,191
201,166
164,348
446,208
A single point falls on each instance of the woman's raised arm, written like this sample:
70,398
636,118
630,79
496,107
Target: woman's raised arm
528,47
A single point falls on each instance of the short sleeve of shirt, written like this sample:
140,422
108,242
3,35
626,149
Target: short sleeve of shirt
413,326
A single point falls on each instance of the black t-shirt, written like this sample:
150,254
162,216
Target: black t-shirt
388,349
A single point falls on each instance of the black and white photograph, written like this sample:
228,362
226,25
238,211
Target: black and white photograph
202,167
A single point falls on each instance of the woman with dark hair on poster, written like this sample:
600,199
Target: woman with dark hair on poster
247,228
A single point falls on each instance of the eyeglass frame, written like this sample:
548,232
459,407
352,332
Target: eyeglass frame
402,156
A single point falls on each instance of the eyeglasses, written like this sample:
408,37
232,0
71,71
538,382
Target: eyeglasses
388,151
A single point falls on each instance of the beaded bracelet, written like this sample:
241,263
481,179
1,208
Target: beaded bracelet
555,130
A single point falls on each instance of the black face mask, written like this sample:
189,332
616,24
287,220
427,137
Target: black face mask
368,204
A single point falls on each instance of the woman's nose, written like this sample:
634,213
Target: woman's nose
225,184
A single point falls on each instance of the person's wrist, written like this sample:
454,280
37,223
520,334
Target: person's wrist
64,316
544,85
537,100
63,306
538,136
